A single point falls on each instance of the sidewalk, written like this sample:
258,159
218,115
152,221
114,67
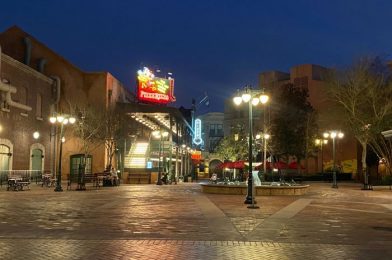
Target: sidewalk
179,222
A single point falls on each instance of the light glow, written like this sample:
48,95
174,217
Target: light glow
60,118
264,98
246,97
237,100
255,101
36,135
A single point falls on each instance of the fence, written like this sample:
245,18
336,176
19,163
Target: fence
32,175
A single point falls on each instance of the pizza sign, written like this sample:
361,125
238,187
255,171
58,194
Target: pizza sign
154,89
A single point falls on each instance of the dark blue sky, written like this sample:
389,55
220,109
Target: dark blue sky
209,45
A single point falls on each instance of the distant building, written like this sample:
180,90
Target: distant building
212,130
312,77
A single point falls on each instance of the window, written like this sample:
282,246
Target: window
39,106
216,130
21,95
212,129
219,130
76,160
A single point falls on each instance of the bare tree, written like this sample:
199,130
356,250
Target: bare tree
87,128
112,131
363,93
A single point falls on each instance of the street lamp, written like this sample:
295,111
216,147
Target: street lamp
62,120
253,98
159,134
320,142
333,134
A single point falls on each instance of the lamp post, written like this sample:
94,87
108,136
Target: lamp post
320,143
62,120
333,134
253,98
265,137
159,134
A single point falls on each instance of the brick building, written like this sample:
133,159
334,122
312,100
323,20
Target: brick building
311,77
26,96
38,73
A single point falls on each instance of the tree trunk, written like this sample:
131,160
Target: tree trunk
365,175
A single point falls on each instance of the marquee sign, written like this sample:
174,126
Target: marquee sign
154,89
197,139
196,155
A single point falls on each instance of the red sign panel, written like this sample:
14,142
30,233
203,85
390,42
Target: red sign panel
154,89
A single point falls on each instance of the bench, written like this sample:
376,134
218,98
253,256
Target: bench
18,184
139,178
82,180
106,179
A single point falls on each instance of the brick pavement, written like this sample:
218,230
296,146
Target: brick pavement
178,222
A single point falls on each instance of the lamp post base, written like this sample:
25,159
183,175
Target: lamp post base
159,182
248,200
253,207
58,189
335,186
367,187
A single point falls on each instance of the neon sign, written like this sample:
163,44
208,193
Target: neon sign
154,89
197,139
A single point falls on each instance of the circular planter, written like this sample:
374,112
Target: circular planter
264,190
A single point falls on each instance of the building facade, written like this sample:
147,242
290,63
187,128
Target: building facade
37,83
313,78
25,133
62,87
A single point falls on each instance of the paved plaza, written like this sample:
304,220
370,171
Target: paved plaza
180,222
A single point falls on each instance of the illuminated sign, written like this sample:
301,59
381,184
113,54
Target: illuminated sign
154,89
196,155
197,139
149,165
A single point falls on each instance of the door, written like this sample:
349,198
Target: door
36,162
5,156
76,160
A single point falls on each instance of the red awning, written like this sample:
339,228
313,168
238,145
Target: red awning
239,165
276,165
225,165
294,165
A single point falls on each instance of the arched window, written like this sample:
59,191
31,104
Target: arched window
5,156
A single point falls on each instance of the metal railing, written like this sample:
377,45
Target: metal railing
32,175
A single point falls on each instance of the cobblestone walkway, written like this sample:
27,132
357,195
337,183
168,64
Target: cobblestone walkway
179,222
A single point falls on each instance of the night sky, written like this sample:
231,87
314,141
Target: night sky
208,45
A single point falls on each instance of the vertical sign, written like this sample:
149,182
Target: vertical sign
197,139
